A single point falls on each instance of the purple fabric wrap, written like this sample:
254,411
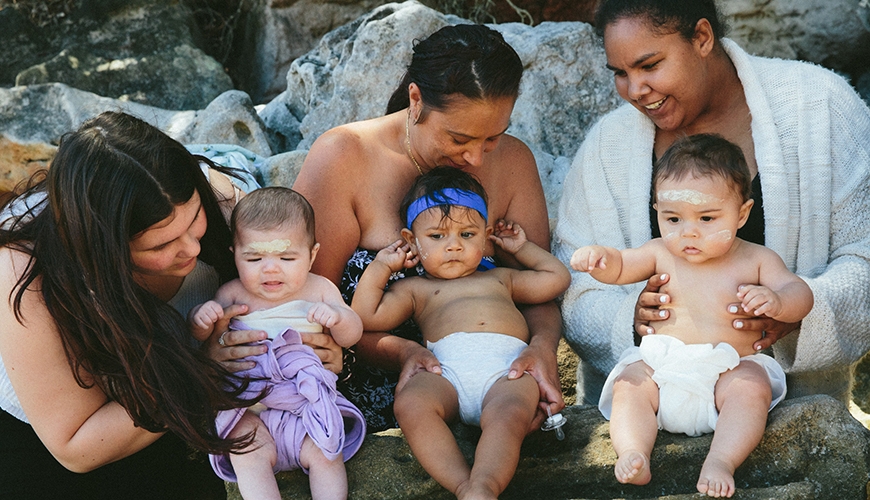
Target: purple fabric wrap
302,401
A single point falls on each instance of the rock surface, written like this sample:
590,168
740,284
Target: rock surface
140,51
33,118
812,449
564,90
833,33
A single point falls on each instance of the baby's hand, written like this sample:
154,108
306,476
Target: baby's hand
585,259
323,314
397,256
509,236
206,315
759,300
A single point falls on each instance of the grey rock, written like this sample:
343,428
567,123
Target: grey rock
565,86
33,118
142,52
276,32
282,169
812,449
833,33
863,87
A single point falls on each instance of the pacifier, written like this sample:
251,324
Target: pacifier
555,423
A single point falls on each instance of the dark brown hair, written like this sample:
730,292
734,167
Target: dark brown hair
110,180
664,16
273,207
705,155
468,60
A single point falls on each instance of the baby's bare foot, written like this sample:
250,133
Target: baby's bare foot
632,468
716,479
471,490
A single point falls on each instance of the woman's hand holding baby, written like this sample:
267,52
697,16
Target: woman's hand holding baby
230,346
416,359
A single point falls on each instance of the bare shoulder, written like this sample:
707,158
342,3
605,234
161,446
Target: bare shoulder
759,254
322,287
335,155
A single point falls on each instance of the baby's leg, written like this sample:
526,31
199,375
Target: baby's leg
743,399
633,425
423,407
327,478
506,415
254,467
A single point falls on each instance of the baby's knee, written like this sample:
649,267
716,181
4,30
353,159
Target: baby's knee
747,380
634,376
311,456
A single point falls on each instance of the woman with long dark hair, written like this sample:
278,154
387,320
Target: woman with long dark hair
104,394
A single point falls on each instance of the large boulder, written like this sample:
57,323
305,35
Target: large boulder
565,87
833,33
276,32
812,449
136,51
33,118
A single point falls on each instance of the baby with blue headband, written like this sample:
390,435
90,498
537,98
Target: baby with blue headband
470,324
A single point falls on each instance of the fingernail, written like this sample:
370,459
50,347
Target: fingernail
738,324
758,348
662,314
732,309
663,299
649,331
663,276
512,375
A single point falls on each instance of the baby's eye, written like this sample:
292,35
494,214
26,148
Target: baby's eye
706,218
673,220
467,234
253,259
435,236
288,259
650,66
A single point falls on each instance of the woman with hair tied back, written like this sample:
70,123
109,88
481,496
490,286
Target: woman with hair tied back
805,134
452,108
102,389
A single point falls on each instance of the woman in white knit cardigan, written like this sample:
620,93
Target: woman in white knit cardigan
806,136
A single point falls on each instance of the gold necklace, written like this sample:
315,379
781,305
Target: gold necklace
408,142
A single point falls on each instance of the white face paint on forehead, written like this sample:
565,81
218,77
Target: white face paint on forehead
268,247
689,196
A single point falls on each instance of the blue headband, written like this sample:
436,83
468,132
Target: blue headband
449,196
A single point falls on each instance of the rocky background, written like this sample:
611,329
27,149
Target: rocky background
271,75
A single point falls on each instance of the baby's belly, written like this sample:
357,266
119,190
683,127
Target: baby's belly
707,329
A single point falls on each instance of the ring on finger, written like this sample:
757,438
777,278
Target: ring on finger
221,339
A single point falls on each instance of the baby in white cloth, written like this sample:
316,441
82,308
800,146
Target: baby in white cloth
470,324
698,374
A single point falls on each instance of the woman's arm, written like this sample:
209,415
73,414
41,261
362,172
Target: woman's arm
527,207
80,427
328,182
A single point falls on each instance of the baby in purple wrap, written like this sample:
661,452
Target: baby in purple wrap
303,422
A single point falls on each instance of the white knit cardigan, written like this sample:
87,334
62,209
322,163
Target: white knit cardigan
812,144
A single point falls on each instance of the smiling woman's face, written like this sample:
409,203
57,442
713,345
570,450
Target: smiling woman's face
660,74
169,248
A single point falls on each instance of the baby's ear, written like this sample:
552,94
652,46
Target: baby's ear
232,249
314,250
408,236
489,230
744,212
